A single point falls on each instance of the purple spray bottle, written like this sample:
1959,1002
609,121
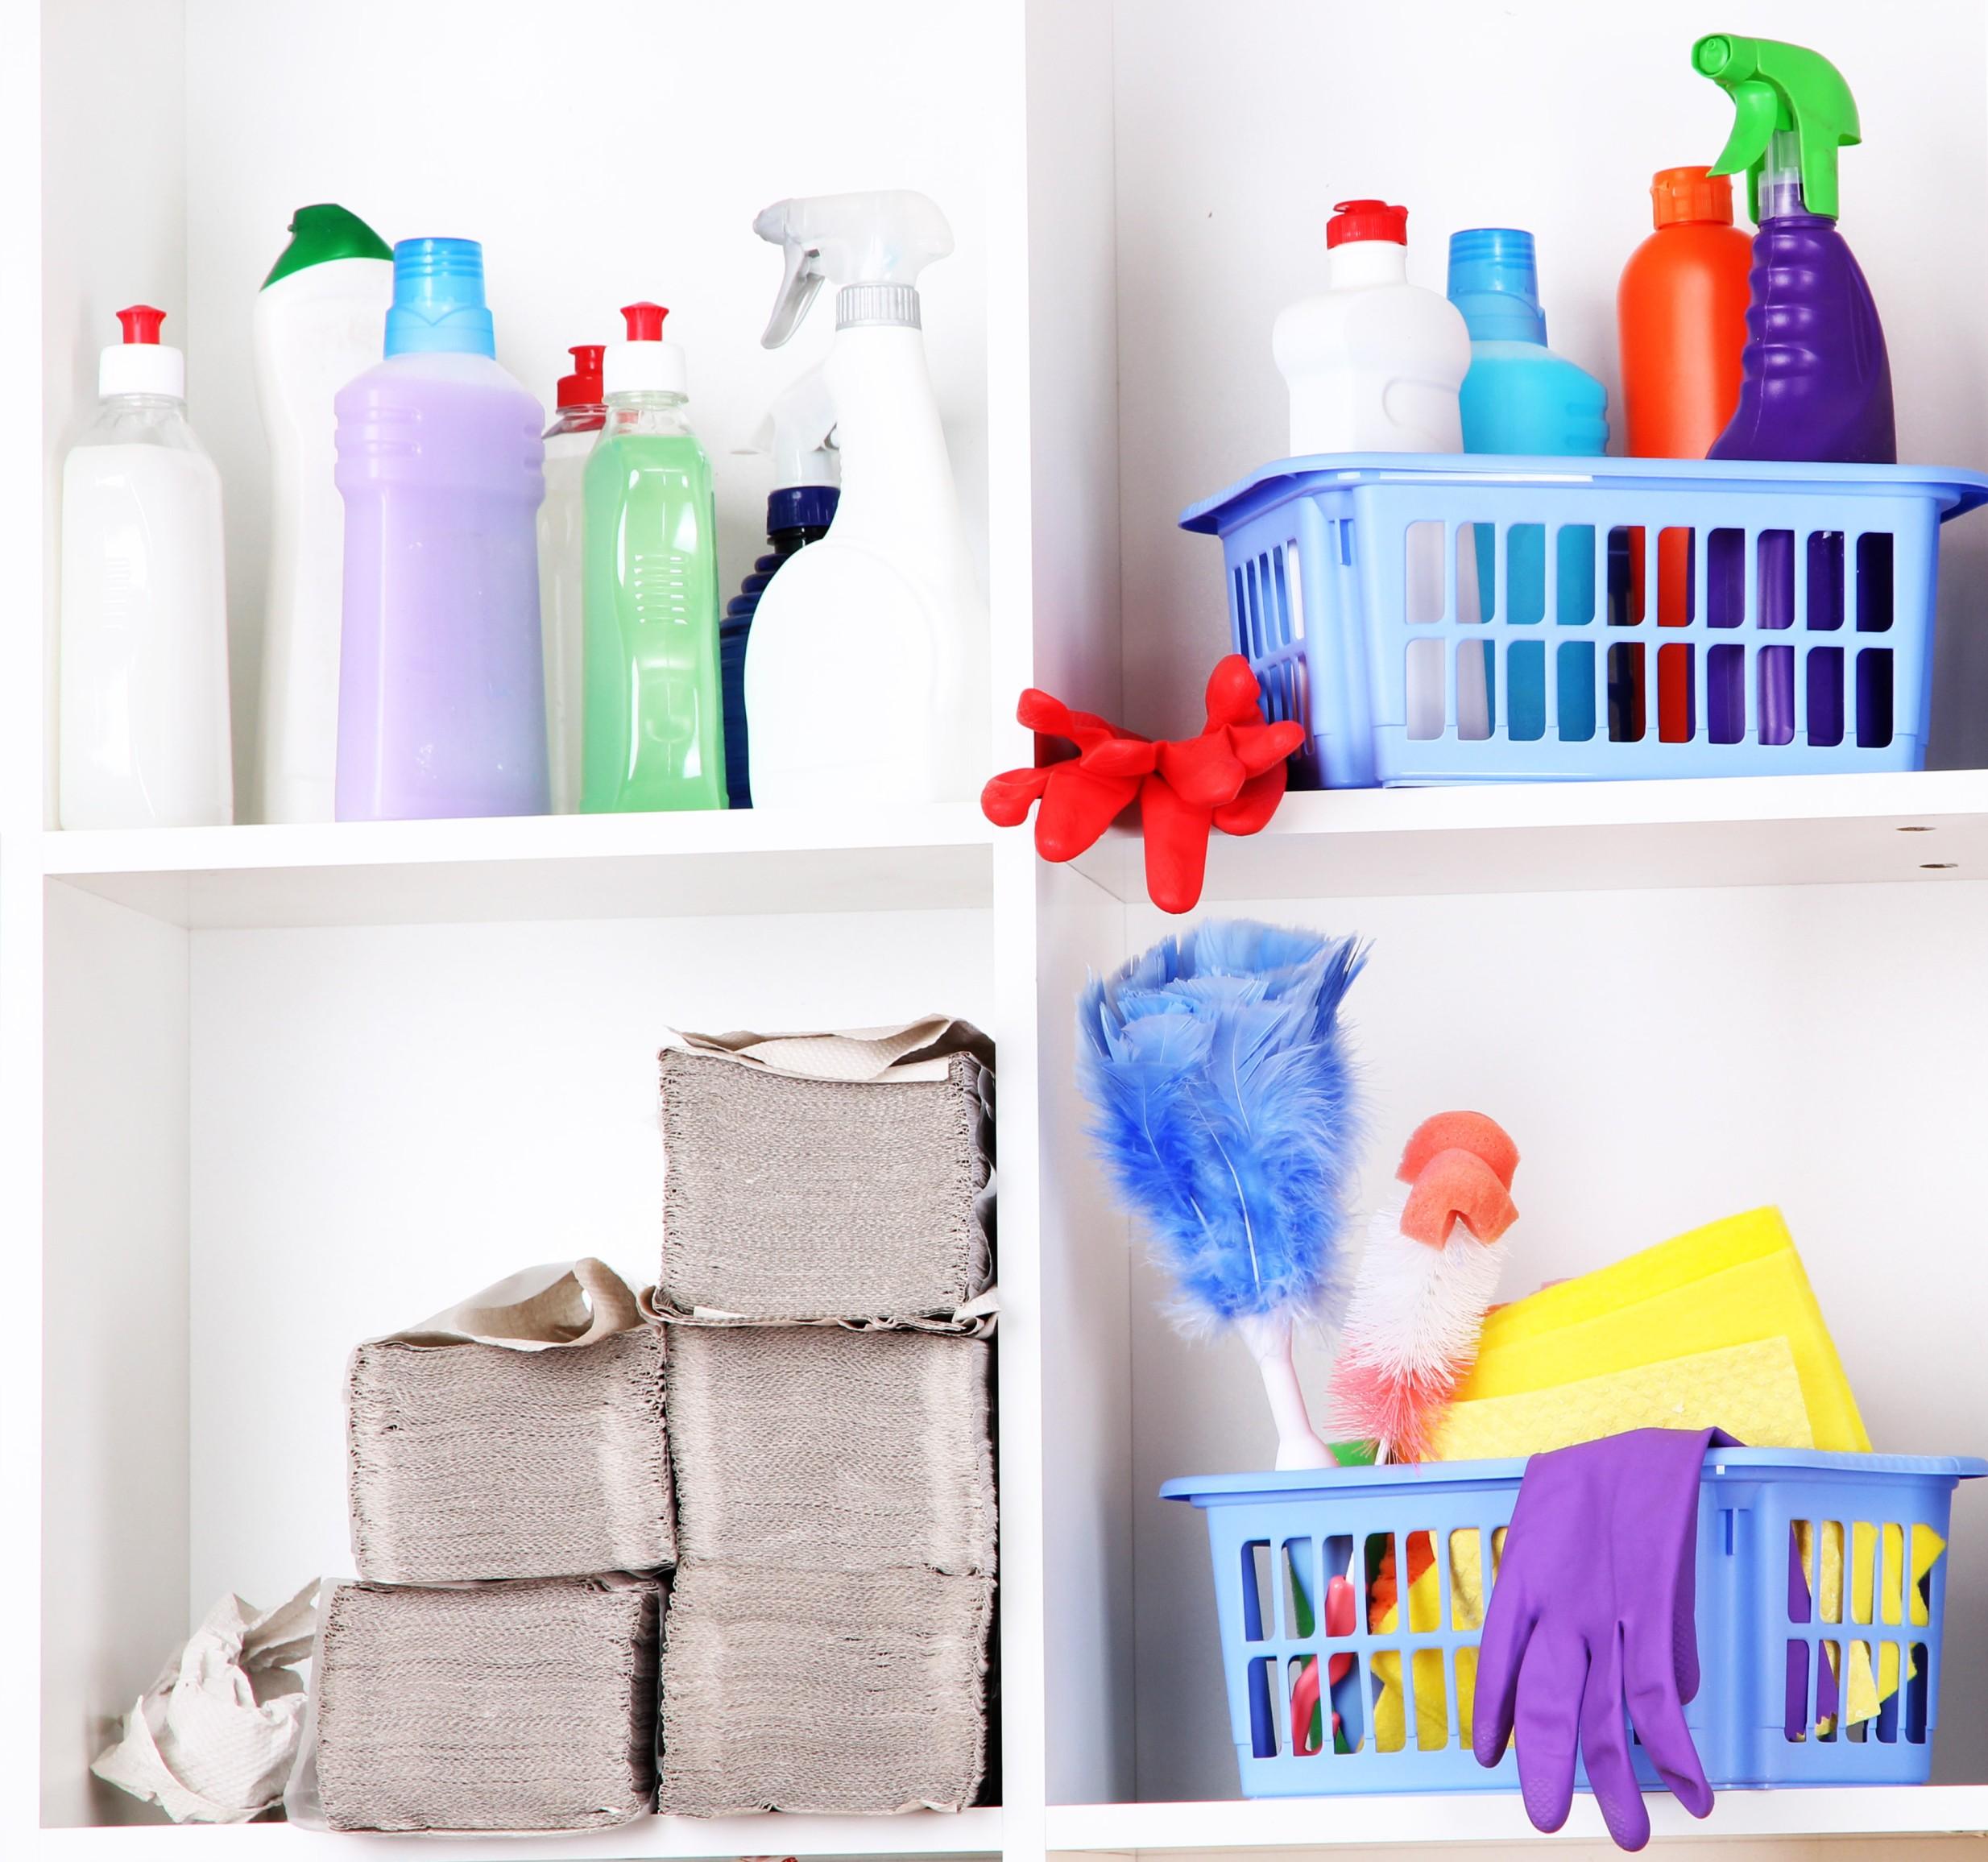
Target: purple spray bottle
1817,382
441,695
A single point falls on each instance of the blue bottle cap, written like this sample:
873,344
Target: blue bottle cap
1494,281
438,299
801,507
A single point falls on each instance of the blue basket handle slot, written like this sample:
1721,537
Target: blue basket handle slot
1262,1723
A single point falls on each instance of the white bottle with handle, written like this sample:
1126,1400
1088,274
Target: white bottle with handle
319,320
865,677
144,707
1374,365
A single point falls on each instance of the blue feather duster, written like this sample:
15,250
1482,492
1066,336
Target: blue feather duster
1226,1114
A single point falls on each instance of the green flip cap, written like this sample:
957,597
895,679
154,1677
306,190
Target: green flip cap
325,232
1777,88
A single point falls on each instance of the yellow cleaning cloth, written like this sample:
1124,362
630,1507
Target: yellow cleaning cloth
1754,1391
1865,1693
1425,1613
1735,1282
1727,1300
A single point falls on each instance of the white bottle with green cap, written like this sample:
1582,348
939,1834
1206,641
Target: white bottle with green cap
317,323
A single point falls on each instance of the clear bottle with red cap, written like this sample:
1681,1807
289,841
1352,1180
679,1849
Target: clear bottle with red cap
581,413
143,719
654,726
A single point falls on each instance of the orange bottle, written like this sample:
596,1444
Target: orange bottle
1681,311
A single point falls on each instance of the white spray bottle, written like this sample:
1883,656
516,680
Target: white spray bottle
319,320
865,672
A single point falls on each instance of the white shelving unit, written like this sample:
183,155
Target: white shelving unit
264,1090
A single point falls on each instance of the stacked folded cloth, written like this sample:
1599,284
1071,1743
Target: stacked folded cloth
830,1176
500,1708
495,1667
827,1244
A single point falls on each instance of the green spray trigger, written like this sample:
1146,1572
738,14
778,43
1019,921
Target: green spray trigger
1776,88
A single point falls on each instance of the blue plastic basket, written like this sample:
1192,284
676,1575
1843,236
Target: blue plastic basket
1409,611
1772,1642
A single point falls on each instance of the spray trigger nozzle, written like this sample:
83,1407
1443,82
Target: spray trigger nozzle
885,238
1780,90
799,431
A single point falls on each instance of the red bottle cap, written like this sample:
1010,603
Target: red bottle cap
140,323
645,321
1366,220
583,387
1677,194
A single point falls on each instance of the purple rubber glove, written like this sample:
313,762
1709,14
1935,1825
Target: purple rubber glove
1592,1611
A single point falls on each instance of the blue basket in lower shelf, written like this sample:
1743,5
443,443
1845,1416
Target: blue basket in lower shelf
1817,1668
1438,619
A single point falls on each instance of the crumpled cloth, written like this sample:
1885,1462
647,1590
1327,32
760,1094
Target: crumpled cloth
213,1738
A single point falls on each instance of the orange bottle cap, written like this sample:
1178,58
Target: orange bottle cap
1680,194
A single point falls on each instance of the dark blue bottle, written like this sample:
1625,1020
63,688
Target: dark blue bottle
796,516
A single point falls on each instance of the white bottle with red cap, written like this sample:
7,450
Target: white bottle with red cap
1374,363
144,629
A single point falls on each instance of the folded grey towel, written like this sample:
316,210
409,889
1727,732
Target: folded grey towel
502,1706
836,1692
473,1460
793,1198
796,1446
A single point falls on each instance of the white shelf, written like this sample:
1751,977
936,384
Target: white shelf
540,867
1594,837
1490,1817
919,1833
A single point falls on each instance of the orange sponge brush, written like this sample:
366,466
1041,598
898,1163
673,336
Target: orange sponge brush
1428,1275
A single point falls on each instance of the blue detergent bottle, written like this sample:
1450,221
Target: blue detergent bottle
1520,397
796,516
799,431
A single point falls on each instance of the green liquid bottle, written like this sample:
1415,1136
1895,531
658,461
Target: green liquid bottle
654,724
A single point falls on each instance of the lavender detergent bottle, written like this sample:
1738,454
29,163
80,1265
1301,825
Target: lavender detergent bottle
441,697
1815,386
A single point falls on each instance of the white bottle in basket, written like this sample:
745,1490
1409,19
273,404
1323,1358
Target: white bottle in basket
1373,364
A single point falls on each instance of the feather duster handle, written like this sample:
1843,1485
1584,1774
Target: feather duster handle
1426,1278
1224,1112
1299,1444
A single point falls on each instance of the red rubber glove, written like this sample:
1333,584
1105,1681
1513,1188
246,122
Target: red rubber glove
1232,777
1079,803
